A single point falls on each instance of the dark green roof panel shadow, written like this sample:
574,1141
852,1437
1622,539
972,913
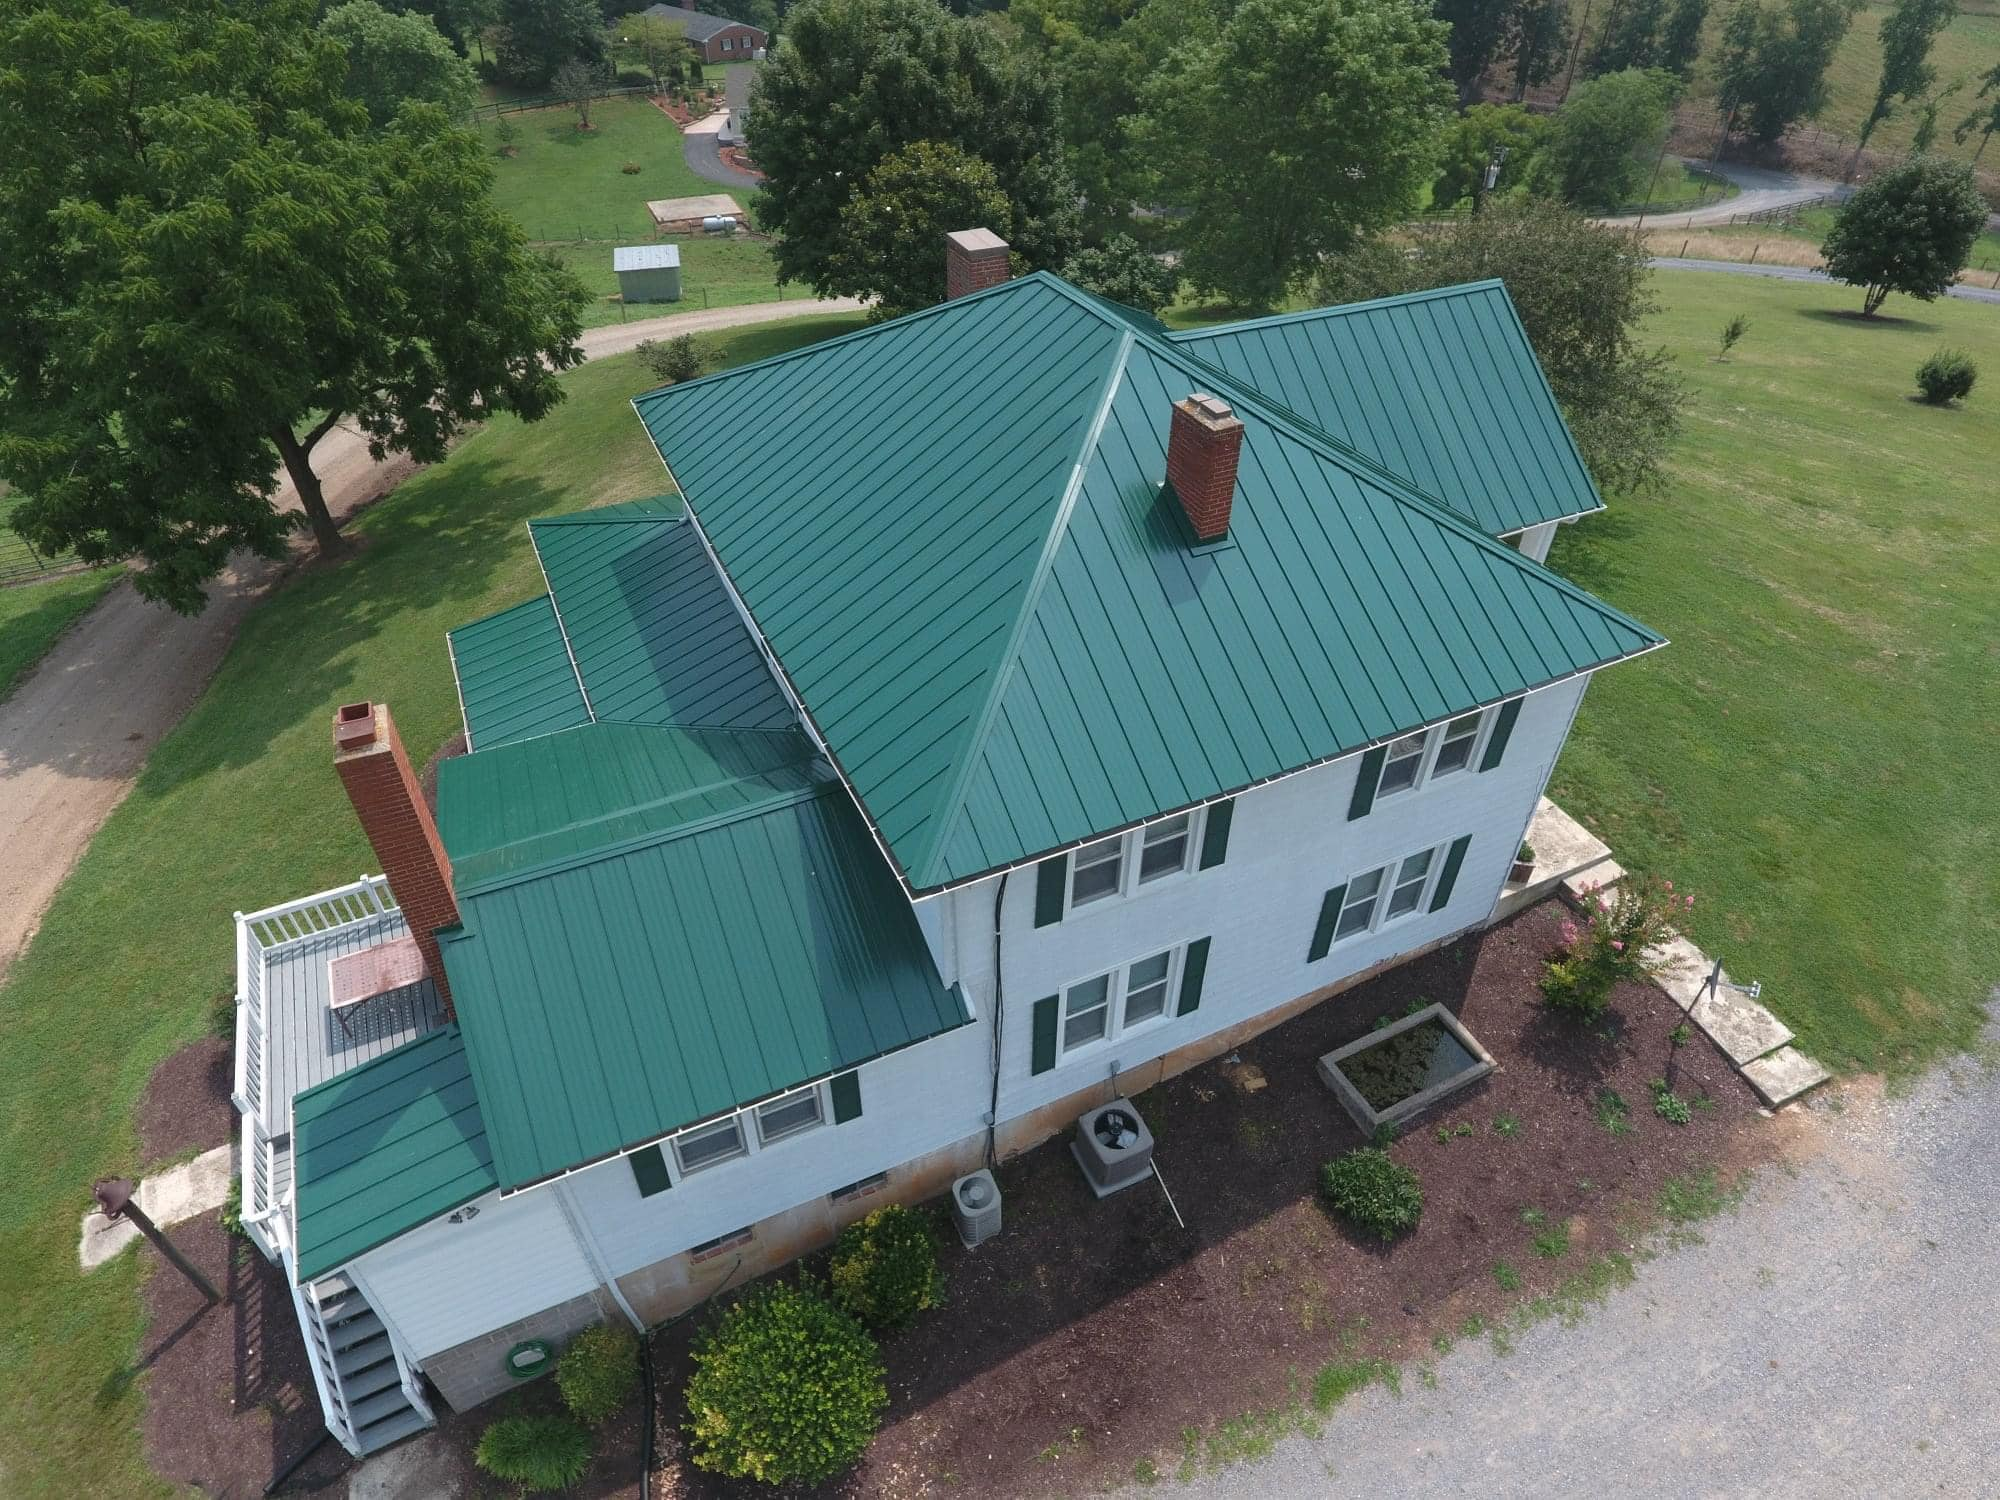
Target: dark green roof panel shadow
1439,387
385,1147
611,1001
514,676
655,636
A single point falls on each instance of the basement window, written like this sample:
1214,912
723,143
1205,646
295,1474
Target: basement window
721,1243
709,1145
790,1114
865,1188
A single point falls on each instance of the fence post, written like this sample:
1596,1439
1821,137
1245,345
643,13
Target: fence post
1753,251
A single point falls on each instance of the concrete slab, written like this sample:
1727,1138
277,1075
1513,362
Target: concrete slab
1564,848
1595,878
1739,1025
1681,969
1783,1075
424,1468
190,1189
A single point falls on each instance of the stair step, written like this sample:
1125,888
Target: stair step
336,1285
392,1430
366,1382
379,1407
353,1330
341,1305
355,1358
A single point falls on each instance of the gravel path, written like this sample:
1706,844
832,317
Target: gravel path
1833,1336
1762,188
76,732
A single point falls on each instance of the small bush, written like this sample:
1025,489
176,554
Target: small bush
597,1372
630,169
1372,1192
1732,331
885,1268
634,78
537,1453
231,1216
1668,1105
1947,376
786,1387
673,361
1609,944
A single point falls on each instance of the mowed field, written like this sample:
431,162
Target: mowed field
1814,753
238,808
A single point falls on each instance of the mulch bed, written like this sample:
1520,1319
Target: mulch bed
737,158
1090,1334
186,1107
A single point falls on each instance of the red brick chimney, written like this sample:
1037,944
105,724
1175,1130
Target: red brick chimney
369,755
1202,448
974,259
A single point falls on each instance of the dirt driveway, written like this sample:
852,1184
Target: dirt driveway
75,734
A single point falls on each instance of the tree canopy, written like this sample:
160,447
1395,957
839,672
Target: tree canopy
891,241
1124,271
1907,34
1985,116
539,36
393,58
213,256
1909,229
1581,291
1604,143
1772,67
1302,125
1472,141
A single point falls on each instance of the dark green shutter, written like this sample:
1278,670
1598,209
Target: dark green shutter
1496,742
1446,880
1215,833
1191,975
1366,781
649,1170
1329,913
1051,875
1045,1034
846,1098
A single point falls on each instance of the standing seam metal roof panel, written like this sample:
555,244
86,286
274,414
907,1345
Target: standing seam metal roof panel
514,675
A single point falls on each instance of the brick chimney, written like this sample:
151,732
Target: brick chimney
1202,448
369,755
974,259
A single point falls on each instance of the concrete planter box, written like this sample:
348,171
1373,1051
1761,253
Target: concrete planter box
1451,1060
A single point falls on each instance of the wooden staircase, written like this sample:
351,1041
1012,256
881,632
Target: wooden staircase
369,1397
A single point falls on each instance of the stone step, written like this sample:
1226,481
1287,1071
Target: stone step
1781,1076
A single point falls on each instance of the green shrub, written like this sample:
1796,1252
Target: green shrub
597,1372
885,1268
231,1217
1372,1192
786,1387
671,362
1609,944
1668,1105
537,1453
1947,376
633,78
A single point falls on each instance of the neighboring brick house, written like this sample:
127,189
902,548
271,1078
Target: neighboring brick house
1051,701
715,39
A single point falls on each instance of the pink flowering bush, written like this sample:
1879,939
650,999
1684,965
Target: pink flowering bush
1609,943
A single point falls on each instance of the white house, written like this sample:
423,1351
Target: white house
1049,702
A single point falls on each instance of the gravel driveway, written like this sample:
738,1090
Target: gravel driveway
1835,1336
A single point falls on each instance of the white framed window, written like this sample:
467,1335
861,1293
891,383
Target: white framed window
1382,895
789,1114
728,44
708,1145
1417,759
1146,986
1121,864
1086,1012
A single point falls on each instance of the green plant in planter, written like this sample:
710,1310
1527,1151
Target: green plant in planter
598,1372
1372,1192
885,1269
537,1453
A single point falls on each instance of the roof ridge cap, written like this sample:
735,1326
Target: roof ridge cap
1338,309
1003,674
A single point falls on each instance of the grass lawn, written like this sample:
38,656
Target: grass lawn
1798,244
714,273
238,808
566,184
32,615
1813,754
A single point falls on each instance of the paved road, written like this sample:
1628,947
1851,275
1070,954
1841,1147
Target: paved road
1800,273
75,734
1762,188
1833,1337
701,149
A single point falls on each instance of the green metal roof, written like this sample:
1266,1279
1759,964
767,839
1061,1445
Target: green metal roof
957,540
1441,388
554,799
514,676
385,1147
650,624
608,1002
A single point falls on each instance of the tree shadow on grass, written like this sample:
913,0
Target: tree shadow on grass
1853,317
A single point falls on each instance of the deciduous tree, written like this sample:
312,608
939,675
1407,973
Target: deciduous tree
1475,137
662,46
539,36
582,84
1907,34
1581,291
1537,41
1910,229
891,241
858,80
1126,272
1986,117
392,58
1604,142
1304,124
212,257
1772,68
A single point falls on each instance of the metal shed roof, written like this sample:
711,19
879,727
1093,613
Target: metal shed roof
385,1147
956,538
610,1001
1440,387
514,676
645,257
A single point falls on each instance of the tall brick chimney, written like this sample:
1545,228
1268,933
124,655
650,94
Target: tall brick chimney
974,259
369,755
1202,448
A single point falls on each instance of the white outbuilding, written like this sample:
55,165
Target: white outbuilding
648,273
